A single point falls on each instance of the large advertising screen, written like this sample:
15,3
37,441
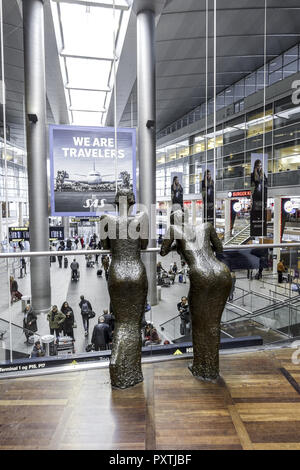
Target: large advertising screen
259,184
86,164
208,192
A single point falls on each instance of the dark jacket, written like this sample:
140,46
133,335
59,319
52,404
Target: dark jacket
14,286
69,321
185,312
30,318
101,334
37,352
60,248
89,306
110,321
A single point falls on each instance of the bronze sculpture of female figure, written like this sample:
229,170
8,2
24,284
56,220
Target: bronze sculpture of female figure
210,284
127,286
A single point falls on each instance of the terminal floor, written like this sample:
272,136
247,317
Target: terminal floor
255,406
95,289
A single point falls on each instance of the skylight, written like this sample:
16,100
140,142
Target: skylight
85,33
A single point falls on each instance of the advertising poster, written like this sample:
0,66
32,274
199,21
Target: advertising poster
86,165
177,188
207,190
259,186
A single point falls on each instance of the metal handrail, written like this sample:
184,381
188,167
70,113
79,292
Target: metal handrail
171,319
237,234
29,254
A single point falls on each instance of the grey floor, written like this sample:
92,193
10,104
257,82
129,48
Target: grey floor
95,290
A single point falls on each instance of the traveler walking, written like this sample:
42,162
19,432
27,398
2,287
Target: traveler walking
101,335
86,310
69,322
29,322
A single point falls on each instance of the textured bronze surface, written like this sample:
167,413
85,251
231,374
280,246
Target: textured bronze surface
128,287
210,284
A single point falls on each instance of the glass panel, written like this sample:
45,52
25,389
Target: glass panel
290,69
275,77
275,64
85,73
239,90
229,96
291,55
95,26
88,100
250,84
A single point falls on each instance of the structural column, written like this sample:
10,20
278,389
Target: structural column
66,224
227,233
146,133
20,214
35,108
1,224
194,212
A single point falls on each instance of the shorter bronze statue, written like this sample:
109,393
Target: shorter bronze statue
210,284
128,287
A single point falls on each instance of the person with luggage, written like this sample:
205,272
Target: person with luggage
74,267
110,320
174,271
56,320
37,351
29,322
14,292
233,276
69,322
82,242
153,338
183,273
86,310
22,267
69,244
98,247
60,257
184,313
101,335
280,270
105,264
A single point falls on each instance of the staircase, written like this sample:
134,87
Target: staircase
240,238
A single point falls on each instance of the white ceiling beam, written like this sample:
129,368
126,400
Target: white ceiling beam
118,6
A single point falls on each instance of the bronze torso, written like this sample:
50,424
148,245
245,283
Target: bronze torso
210,284
128,286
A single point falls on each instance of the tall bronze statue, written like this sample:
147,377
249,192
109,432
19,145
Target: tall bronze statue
210,284
127,286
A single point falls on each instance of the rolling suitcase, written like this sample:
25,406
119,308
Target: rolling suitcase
99,273
65,345
66,262
180,278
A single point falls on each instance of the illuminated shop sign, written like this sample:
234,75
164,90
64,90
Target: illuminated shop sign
239,193
237,207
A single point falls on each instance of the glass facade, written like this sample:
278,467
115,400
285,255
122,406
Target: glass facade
278,69
272,131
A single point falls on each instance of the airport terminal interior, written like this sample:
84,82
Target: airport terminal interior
184,333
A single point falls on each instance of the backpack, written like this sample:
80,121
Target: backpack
85,307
